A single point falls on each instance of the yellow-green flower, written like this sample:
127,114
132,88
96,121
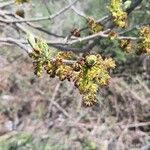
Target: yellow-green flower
144,44
118,14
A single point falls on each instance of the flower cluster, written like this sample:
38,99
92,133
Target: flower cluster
94,26
42,56
58,68
21,1
91,73
126,45
88,72
119,16
144,44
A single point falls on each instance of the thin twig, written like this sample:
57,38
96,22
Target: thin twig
77,11
4,4
17,42
42,18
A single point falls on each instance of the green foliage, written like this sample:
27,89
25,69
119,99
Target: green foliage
89,145
127,4
15,141
112,48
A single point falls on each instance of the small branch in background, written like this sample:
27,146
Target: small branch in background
16,42
140,124
42,18
136,27
45,3
23,45
5,4
99,34
134,4
37,27
77,11
87,47
53,102
104,19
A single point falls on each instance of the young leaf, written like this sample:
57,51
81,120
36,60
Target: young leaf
31,40
127,4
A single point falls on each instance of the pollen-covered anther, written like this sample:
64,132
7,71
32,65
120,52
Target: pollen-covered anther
89,100
109,63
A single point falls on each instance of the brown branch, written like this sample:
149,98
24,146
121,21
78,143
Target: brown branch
9,15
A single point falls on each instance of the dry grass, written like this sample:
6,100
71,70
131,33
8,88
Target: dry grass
52,112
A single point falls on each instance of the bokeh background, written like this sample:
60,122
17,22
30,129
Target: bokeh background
46,114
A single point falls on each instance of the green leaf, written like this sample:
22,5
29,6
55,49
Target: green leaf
127,4
31,40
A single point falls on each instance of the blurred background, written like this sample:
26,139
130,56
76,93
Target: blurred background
46,114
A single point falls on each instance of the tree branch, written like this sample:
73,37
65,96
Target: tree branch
42,18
